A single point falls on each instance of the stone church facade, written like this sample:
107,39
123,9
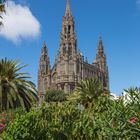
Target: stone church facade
70,67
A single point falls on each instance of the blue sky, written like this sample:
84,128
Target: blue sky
117,20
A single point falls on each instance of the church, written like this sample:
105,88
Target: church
70,67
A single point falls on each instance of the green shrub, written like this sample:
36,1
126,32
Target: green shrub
53,95
48,122
106,120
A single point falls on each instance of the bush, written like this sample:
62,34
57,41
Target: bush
106,120
7,117
53,95
48,122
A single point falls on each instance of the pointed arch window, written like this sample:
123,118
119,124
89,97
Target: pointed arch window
69,28
65,29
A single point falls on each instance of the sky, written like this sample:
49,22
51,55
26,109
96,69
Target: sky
30,23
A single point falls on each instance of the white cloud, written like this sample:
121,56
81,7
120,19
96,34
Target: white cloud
138,3
19,23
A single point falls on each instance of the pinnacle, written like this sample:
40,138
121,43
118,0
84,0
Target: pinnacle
44,49
100,42
100,47
68,11
44,45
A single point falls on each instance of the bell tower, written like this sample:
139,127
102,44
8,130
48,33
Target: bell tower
101,63
44,73
66,64
68,40
101,57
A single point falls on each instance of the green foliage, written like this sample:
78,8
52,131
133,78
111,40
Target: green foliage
53,95
2,9
15,89
48,122
7,117
89,91
107,119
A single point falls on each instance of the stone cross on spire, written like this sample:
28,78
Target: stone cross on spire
68,11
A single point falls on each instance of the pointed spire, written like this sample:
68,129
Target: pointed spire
100,46
44,49
68,11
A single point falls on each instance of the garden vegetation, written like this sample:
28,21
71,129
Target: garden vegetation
86,114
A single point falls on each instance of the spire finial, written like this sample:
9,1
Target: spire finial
44,44
100,36
100,46
68,11
100,40
44,49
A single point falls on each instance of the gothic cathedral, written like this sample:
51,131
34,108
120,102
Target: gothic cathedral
70,67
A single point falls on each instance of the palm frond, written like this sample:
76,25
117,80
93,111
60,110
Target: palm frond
15,88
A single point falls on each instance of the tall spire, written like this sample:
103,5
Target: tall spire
100,62
100,47
68,40
100,56
68,11
44,49
44,60
44,73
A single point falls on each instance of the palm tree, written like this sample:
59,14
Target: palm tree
2,6
2,9
89,91
15,89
